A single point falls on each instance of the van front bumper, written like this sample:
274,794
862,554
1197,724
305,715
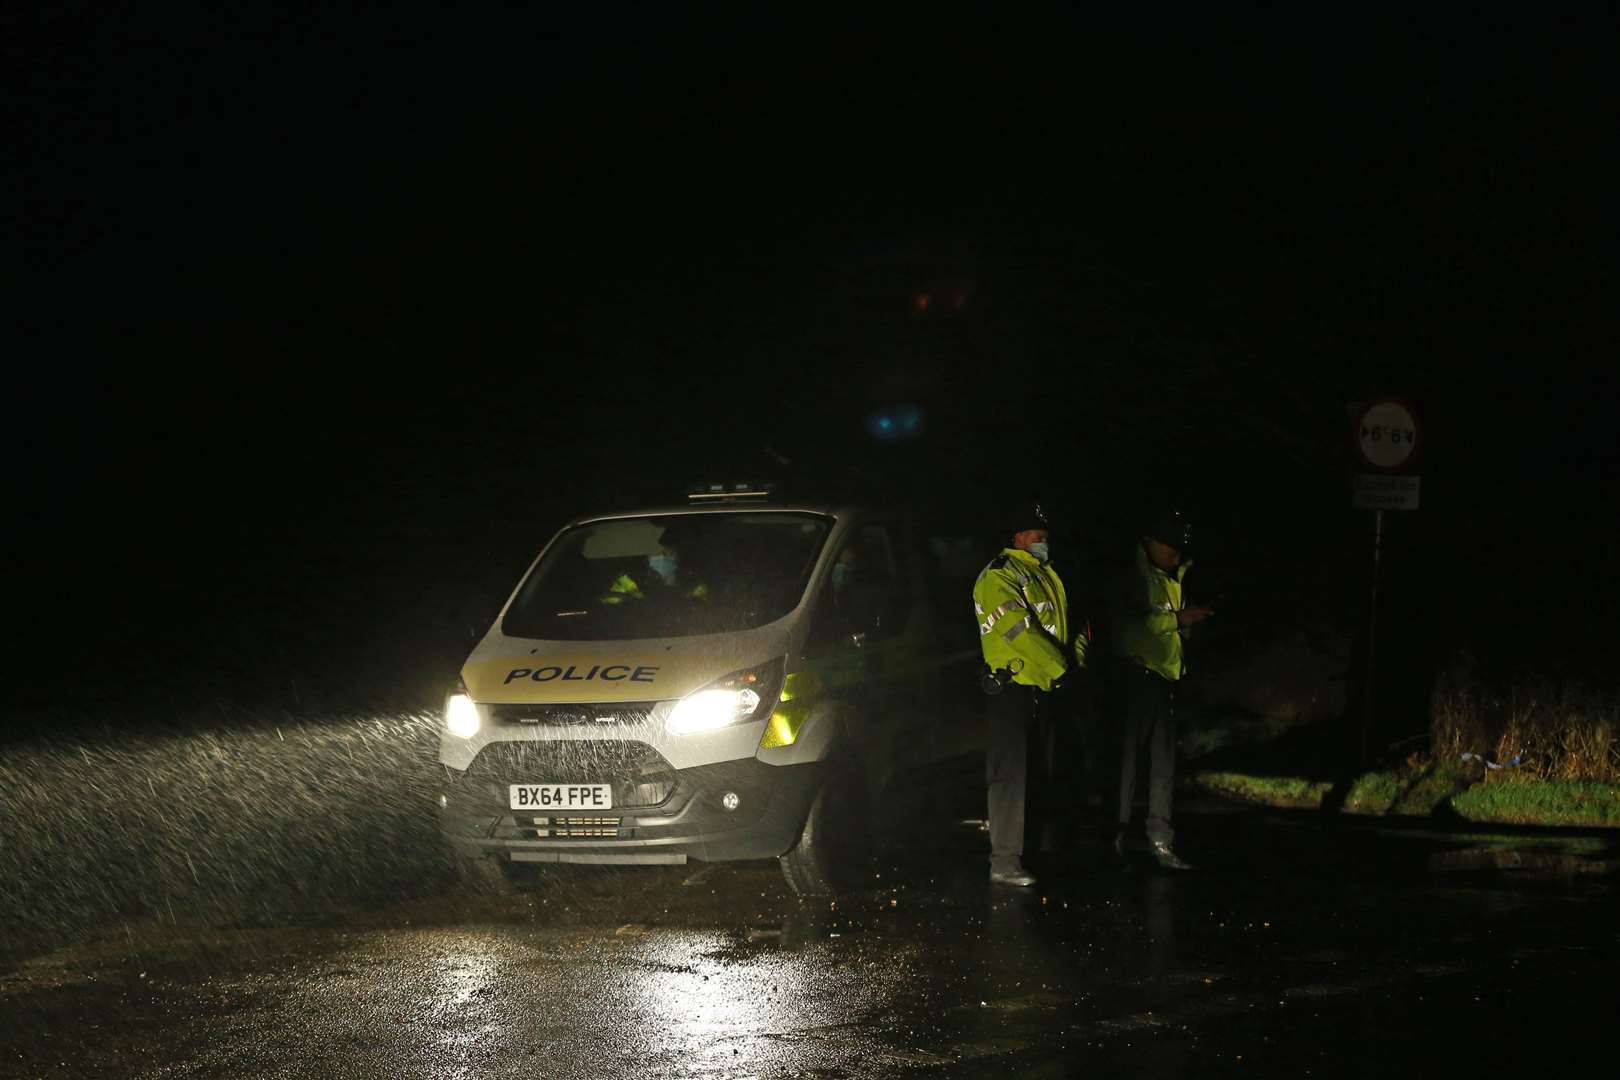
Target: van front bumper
689,821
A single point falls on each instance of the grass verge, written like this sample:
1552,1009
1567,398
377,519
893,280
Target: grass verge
1431,793
1541,802
1285,791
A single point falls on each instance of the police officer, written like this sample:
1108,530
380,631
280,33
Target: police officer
1031,642
665,574
1148,621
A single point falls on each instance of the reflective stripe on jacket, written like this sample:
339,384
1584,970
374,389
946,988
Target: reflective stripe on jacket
1024,622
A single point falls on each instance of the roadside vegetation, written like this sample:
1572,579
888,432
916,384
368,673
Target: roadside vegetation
1535,728
1532,751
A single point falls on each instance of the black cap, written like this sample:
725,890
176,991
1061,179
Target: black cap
1028,514
1173,528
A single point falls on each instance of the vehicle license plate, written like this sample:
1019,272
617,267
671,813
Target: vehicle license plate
562,796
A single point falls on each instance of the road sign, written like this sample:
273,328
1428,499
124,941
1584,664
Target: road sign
1387,435
1374,491
1387,438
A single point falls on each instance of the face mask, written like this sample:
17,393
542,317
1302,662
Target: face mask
1042,550
840,576
663,566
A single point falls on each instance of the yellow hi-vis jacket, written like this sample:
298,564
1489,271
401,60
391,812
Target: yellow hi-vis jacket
1145,625
626,588
1024,622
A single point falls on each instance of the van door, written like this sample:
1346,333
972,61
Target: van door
873,645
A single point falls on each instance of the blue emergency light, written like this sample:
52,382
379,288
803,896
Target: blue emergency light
895,423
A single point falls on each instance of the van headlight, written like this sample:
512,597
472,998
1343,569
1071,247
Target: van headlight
460,714
739,698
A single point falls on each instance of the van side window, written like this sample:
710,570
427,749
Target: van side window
867,591
880,568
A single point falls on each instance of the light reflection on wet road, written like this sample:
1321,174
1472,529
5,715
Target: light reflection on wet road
1295,950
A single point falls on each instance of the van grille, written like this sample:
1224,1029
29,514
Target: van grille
528,827
639,774
603,713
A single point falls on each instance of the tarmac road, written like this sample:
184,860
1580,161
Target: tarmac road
1297,948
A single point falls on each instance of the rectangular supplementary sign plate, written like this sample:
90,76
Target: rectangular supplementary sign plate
1373,492
561,796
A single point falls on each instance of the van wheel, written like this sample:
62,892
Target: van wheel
834,852
483,873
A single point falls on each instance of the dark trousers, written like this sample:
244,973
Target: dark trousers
1143,719
1028,766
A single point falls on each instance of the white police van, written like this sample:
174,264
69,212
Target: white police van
732,678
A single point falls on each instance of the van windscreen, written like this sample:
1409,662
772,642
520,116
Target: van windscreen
678,575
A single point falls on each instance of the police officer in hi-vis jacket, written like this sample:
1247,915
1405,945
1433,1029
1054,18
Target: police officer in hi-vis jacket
1148,621
1031,642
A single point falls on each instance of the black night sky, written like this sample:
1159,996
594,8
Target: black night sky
320,315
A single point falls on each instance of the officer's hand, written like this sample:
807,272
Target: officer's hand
1192,616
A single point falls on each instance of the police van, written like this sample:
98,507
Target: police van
734,677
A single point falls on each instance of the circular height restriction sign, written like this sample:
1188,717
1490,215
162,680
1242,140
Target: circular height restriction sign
1387,434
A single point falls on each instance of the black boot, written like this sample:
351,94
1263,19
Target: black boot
1011,873
1168,858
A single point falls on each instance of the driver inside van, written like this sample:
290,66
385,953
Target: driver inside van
858,589
843,573
664,576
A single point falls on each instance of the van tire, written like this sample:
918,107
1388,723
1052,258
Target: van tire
834,850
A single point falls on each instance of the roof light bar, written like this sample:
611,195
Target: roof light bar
721,492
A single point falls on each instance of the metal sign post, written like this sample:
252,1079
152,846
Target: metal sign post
1372,633
1387,436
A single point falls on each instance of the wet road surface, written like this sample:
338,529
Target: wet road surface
1297,948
